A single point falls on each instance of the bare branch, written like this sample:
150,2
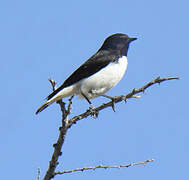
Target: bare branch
58,145
38,173
62,135
66,124
119,99
104,167
53,83
69,105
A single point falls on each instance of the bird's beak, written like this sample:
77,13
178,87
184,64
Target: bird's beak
132,39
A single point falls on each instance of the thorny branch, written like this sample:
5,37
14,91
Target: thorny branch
104,167
119,99
38,173
62,135
67,123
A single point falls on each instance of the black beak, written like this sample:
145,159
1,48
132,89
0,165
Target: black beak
132,39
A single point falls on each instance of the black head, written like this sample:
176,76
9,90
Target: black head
118,42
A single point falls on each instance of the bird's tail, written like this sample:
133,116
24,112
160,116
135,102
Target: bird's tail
45,105
53,99
49,102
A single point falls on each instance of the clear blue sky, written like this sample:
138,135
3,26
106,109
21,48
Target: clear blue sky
42,39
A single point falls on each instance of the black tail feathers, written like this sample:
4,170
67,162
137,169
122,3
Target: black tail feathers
45,105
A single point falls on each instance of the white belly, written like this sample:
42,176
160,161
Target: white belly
105,79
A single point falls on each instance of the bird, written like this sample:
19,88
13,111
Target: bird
98,74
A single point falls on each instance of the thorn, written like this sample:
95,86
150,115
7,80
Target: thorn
113,105
113,99
158,78
124,98
134,91
54,145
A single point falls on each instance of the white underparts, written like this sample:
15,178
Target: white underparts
105,79
97,84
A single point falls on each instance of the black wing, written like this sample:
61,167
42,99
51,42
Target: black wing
91,66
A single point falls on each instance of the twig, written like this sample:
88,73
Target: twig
38,173
69,105
58,146
66,124
104,167
53,83
119,99
62,135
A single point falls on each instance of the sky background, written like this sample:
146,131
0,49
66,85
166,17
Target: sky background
43,39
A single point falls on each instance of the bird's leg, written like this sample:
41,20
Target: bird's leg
113,100
91,108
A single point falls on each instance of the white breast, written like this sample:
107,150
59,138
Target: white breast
104,79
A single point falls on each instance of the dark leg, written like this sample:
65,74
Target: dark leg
109,97
113,100
86,99
92,108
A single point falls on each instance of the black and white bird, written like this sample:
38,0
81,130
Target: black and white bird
98,74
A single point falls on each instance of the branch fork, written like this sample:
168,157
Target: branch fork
67,123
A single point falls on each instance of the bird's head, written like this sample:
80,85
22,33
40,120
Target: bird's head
117,42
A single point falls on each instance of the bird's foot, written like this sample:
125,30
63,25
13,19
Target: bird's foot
113,99
93,111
